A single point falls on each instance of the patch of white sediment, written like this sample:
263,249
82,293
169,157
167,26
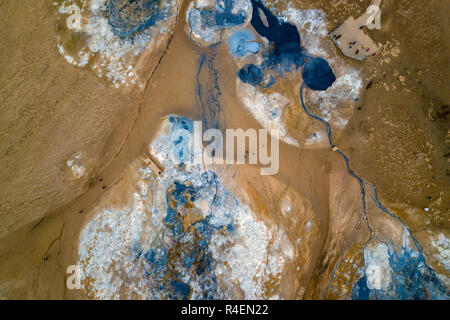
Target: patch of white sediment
257,253
441,244
312,26
106,255
203,30
315,138
286,205
267,109
344,91
76,166
377,267
85,38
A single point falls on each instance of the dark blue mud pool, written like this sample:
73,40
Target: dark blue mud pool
317,74
129,17
254,75
287,54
